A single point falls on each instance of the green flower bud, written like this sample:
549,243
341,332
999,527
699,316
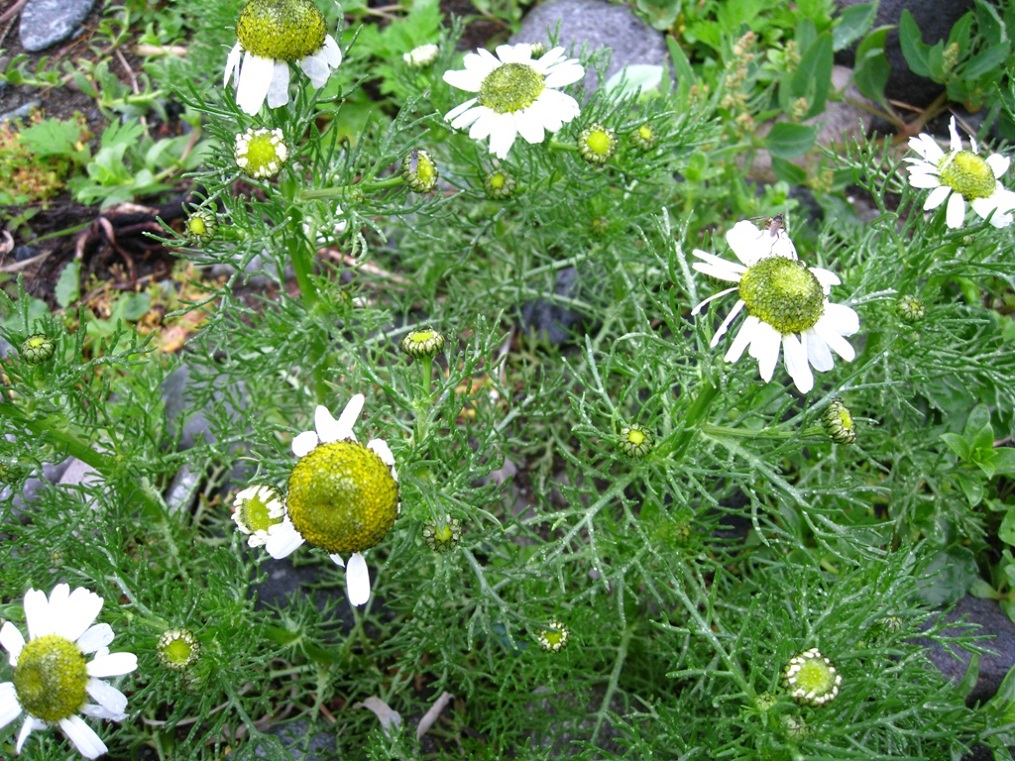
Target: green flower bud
423,343
910,309
838,423
644,137
419,171
811,678
499,185
597,144
444,537
37,349
554,637
201,225
422,56
635,440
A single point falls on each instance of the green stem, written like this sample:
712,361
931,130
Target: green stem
339,191
677,442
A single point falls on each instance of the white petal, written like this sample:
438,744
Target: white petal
924,180
955,214
825,277
232,62
107,696
316,68
337,560
842,319
835,342
347,420
718,267
455,115
278,88
466,80
112,664
40,619
83,736
332,52
956,141
817,352
782,245
565,74
748,242
283,539
26,729
998,164
10,708
710,299
743,339
13,641
357,580
765,348
76,613
501,139
799,369
927,147
530,129
380,448
96,637
254,82
515,53
937,197
727,322
304,443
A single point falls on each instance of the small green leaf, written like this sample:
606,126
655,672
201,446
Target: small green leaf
1006,531
871,69
958,445
971,487
68,285
788,140
853,21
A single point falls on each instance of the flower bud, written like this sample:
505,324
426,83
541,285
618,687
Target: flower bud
260,153
499,185
910,309
422,56
811,678
838,423
444,537
200,226
644,137
37,348
178,649
635,440
554,637
423,343
597,144
419,171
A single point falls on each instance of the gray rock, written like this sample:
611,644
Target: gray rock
597,25
47,22
549,320
935,19
20,112
1000,633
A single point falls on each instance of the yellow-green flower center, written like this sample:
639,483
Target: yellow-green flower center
783,293
968,174
511,87
50,678
597,144
420,171
283,30
812,678
178,648
260,153
255,512
342,497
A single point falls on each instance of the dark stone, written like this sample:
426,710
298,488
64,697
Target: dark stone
935,19
1000,633
598,25
47,22
549,320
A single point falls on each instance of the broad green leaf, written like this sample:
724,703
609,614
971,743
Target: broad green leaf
853,21
814,75
913,48
958,445
871,69
1006,531
68,285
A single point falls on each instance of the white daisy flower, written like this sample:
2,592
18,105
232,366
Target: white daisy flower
516,95
52,683
959,176
271,34
786,301
255,510
343,496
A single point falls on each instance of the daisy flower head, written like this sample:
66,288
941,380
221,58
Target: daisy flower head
271,34
256,510
786,302
53,682
516,95
343,496
959,176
